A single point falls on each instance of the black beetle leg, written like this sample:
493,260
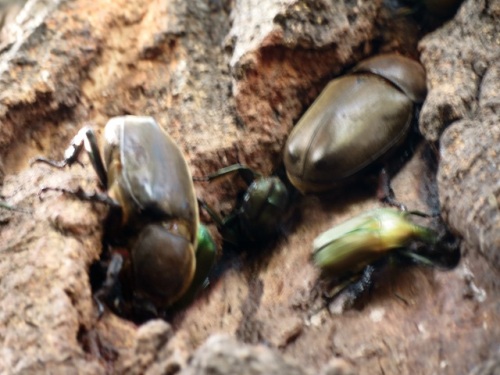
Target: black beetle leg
211,212
385,192
424,214
114,268
246,173
444,254
95,157
85,138
223,225
354,291
71,154
82,195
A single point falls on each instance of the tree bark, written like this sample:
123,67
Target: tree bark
228,80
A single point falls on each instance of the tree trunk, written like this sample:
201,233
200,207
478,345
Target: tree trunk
228,80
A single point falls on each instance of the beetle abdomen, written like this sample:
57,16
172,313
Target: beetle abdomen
164,264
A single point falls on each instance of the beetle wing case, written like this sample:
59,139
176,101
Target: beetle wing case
154,174
355,121
408,75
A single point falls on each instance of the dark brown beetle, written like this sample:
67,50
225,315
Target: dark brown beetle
150,191
356,120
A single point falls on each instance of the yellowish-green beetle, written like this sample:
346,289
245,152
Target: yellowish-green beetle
345,250
350,246
155,211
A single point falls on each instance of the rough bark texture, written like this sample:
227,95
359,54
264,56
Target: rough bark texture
228,79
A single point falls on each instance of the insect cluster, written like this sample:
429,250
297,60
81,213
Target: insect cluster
354,125
357,122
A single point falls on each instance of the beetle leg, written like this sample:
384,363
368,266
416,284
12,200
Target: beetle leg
385,192
95,157
82,195
347,296
71,154
211,212
424,214
443,254
85,138
246,173
223,225
114,268
6,206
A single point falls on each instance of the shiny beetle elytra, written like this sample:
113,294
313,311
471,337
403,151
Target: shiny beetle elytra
154,207
259,214
357,120
344,251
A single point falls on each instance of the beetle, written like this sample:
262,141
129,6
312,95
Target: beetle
357,120
438,8
154,211
259,214
350,249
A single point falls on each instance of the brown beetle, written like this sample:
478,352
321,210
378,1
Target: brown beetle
150,189
356,120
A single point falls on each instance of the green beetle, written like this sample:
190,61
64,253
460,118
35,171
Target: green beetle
154,209
357,120
346,250
260,212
